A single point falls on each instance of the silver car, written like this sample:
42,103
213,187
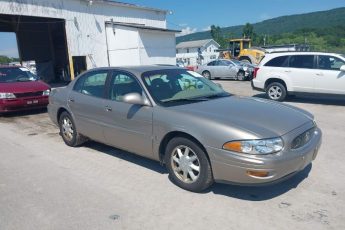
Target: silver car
224,68
185,121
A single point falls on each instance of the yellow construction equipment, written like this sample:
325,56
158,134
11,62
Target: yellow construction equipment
242,50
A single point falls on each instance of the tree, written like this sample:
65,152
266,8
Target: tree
217,35
6,60
248,31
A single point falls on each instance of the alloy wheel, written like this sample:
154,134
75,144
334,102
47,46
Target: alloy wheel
67,128
185,164
275,92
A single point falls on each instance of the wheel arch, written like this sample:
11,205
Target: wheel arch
173,134
60,111
271,80
247,58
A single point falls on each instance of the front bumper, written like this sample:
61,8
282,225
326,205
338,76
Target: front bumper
19,104
230,167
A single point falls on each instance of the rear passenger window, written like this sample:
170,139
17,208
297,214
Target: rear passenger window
92,84
212,63
122,84
302,61
278,62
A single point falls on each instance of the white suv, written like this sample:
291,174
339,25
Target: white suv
290,73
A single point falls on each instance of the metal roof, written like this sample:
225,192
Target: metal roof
129,5
142,26
195,44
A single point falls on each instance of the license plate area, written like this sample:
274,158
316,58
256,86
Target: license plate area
32,102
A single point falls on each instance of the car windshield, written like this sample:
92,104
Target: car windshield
178,86
10,74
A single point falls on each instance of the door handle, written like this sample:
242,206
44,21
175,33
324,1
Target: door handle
71,100
319,74
108,109
287,71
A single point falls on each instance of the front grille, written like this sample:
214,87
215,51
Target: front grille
29,94
303,139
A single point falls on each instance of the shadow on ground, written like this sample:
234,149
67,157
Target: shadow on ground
23,113
239,192
320,100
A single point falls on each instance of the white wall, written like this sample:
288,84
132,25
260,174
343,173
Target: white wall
132,46
157,47
85,25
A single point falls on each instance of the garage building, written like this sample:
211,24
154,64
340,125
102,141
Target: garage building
66,37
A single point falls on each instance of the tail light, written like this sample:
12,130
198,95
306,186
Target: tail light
255,72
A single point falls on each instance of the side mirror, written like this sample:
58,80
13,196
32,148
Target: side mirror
342,68
135,99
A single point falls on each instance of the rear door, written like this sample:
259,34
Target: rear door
128,126
224,68
329,78
302,72
87,103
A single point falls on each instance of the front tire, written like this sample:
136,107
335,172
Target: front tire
68,131
188,165
276,91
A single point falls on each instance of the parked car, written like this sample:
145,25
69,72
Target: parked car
200,132
21,90
224,68
283,74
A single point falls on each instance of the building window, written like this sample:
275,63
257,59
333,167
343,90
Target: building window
187,50
210,49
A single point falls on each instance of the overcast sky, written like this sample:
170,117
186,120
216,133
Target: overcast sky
195,15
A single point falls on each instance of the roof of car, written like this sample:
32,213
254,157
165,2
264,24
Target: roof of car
138,70
299,53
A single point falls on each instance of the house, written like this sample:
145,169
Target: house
67,37
192,53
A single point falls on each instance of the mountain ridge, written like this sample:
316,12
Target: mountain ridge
280,25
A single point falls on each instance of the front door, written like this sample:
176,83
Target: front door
86,102
329,78
128,127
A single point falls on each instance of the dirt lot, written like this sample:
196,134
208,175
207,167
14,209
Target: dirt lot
46,185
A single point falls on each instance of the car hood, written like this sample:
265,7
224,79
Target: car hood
23,87
260,117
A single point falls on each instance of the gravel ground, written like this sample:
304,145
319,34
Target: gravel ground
46,185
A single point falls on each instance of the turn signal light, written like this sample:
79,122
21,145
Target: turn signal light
257,173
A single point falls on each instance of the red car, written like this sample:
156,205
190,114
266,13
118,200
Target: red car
21,90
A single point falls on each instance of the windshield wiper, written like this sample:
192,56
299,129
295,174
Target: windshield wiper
186,99
216,95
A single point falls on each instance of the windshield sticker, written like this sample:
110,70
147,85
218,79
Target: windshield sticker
194,74
24,69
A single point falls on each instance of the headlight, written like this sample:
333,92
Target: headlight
255,147
46,92
7,95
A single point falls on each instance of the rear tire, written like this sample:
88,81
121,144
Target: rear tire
207,75
68,131
246,60
188,165
276,91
